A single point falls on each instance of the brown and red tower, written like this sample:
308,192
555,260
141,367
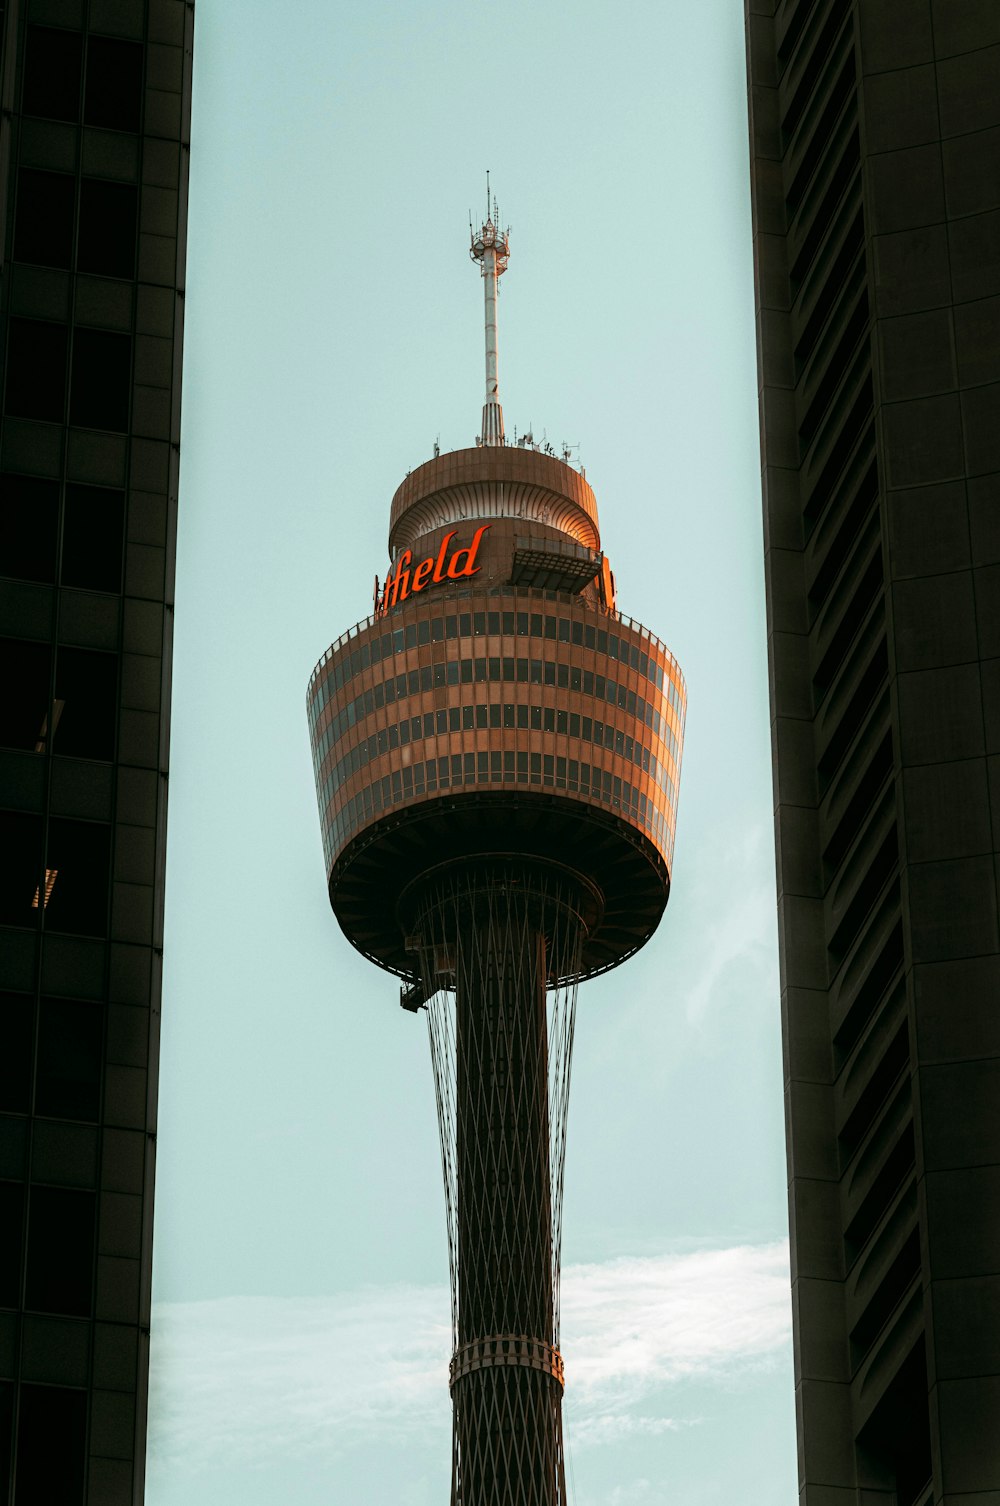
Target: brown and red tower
497,753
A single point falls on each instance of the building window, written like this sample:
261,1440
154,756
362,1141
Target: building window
20,871
25,670
87,702
93,538
45,1473
52,73
6,1427
12,1223
100,385
78,856
29,527
16,1029
43,227
106,243
59,1274
36,370
68,1069
114,84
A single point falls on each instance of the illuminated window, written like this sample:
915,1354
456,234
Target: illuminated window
49,727
42,899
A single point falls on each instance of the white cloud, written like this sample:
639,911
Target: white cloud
256,1376
612,1427
635,1325
657,1319
253,1378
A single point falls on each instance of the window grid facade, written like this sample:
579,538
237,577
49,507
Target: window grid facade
93,176
873,141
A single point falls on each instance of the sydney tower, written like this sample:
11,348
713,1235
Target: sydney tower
497,753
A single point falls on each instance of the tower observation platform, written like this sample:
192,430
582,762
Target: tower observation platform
497,754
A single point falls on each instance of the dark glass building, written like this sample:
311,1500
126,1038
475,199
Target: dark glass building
93,171
875,146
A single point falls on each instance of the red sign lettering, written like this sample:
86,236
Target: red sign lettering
404,581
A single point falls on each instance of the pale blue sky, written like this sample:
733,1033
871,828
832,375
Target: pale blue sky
333,333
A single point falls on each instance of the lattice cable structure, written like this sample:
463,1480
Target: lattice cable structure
500,948
497,756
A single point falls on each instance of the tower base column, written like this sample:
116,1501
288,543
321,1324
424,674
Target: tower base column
508,1443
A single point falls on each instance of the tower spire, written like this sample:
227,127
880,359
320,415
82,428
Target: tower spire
490,248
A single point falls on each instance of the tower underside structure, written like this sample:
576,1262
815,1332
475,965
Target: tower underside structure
497,756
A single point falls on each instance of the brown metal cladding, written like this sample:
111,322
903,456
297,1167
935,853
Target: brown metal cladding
498,743
493,483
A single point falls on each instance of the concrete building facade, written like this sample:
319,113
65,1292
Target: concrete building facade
875,156
93,185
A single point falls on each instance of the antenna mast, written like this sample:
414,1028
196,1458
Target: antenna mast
490,248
